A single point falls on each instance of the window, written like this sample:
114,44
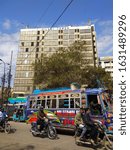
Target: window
76,30
60,31
94,104
38,103
53,103
85,30
27,50
61,103
38,37
36,55
48,104
37,49
77,103
32,43
60,42
72,103
66,103
22,43
37,43
38,32
43,103
60,36
77,36
33,104
30,104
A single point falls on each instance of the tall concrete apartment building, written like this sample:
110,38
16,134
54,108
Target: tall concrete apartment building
34,42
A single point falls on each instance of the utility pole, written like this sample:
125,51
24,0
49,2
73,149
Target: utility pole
3,84
10,76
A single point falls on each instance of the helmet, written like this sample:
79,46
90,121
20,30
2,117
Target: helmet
87,108
81,108
41,108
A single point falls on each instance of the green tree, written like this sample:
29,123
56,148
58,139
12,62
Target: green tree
61,68
97,77
68,65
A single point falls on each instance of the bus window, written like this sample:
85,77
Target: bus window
30,104
66,103
94,105
77,103
61,103
43,103
18,94
48,103
105,102
38,103
72,103
34,104
53,103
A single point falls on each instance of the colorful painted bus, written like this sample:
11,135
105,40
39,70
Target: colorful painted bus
18,102
65,103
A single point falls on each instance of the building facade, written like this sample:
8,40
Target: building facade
34,42
107,63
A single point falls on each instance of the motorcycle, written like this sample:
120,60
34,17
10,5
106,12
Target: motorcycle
5,126
104,139
49,130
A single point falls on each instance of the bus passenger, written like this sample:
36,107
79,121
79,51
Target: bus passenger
95,108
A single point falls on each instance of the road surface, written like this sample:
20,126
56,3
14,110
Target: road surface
22,139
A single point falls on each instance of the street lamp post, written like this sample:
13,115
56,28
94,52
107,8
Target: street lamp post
3,84
10,76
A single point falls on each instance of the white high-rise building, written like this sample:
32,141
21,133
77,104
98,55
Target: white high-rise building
107,63
34,42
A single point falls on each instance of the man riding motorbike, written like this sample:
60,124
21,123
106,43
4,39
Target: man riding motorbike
90,124
41,117
79,122
1,116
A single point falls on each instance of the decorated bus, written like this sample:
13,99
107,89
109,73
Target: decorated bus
65,103
16,106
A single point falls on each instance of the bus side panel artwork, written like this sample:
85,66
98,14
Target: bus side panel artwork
66,117
65,105
32,117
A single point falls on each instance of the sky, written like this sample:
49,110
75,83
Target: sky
18,14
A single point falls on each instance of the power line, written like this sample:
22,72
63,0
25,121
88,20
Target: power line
50,28
46,10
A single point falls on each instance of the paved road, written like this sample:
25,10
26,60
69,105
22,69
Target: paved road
22,139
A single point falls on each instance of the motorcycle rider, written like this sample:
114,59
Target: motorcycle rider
1,117
89,123
41,117
79,122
